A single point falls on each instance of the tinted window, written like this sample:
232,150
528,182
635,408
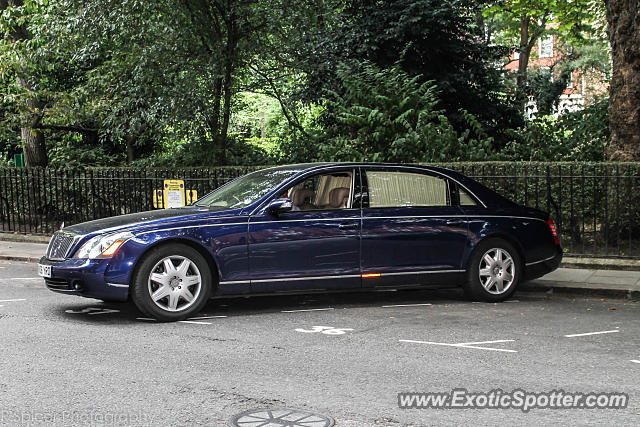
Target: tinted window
398,189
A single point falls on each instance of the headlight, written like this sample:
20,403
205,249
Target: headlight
103,246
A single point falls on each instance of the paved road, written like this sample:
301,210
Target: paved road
63,354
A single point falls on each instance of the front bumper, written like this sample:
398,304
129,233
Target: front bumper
83,277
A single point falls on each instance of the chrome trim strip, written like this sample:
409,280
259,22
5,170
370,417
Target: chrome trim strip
403,273
345,276
542,260
469,217
290,279
117,285
234,282
353,218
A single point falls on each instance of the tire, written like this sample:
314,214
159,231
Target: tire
494,271
173,282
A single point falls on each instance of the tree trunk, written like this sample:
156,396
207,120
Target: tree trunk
525,54
227,92
35,150
34,147
623,17
131,148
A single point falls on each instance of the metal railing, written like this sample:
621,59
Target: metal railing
595,205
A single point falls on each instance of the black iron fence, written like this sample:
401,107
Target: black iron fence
595,205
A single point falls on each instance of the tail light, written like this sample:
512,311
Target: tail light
554,231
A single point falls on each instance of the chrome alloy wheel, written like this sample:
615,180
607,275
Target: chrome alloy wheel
175,283
497,271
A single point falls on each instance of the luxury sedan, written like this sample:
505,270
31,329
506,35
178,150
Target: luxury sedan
308,228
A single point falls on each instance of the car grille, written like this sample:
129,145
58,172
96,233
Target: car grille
59,245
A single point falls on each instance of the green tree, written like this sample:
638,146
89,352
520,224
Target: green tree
387,115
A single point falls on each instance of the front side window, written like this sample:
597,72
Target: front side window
402,189
321,192
247,189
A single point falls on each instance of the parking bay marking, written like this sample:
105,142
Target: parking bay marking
592,333
467,344
307,309
405,305
635,361
12,300
326,330
92,311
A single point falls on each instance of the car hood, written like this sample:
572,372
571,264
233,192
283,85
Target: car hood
115,223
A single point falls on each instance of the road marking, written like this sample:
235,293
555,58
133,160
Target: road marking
467,344
327,330
592,333
404,305
195,323
635,361
308,309
12,300
25,278
148,319
92,311
512,300
206,317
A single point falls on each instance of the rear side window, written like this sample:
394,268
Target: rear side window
401,189
465,198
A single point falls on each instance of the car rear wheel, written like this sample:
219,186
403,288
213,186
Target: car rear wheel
172,283
494,271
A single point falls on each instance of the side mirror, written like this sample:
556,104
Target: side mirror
279,206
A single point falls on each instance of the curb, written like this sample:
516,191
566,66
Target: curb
571,288
24,238
19,258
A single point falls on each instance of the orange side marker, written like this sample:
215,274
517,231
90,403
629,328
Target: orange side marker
368,275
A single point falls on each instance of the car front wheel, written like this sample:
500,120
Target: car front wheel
172,283
494,271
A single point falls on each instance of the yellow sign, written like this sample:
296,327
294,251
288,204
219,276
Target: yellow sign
173,195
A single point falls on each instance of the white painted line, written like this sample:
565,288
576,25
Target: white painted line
25,278
512,300
206,317
635,361
148,319
592,333
195,323
309,309
404,305
466,345
12,300
484,342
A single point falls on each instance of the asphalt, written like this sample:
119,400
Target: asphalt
621,283
70,361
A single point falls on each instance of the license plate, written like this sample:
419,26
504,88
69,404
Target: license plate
44,270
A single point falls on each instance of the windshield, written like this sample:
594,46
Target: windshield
247,189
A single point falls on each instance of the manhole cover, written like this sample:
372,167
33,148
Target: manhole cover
280,418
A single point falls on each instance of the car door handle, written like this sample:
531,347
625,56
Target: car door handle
454,221
348,226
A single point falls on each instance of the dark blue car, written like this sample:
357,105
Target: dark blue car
308,228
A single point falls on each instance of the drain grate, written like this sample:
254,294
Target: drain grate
281,417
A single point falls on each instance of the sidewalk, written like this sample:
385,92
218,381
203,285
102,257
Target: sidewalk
615,282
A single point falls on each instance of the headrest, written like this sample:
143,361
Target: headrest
338,197
299,195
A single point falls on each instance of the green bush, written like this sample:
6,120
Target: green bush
387,115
